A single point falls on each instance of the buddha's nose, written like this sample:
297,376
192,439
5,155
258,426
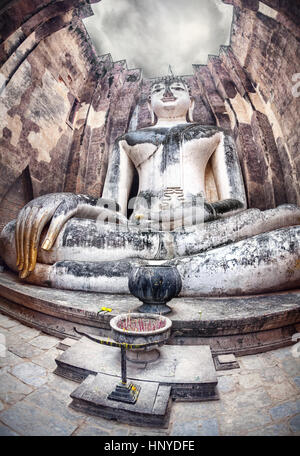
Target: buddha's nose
168,92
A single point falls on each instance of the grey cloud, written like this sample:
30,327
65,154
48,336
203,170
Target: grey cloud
151,34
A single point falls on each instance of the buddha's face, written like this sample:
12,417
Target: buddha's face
170,100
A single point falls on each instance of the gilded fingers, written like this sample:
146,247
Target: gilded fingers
47,244
21,237
17,236
36,231
29,223
26,240
32,220
62,214
53,231
33,257
50,237
31,226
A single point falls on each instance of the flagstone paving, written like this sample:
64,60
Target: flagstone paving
262,397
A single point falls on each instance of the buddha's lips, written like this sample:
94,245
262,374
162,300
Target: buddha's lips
166,99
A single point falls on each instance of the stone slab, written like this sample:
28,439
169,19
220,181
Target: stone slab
189,370
30,373
47,359
224,359
225,362
24,350
151,408
66,343
295,424
44,342
7,323
27,420
6,432
12,389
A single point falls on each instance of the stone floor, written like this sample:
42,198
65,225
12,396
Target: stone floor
262,397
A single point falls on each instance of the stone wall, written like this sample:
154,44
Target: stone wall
48,68
265,42
62,106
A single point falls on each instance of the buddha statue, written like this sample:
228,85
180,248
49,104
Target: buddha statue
220,247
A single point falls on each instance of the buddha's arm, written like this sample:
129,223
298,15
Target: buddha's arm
119,176
228,178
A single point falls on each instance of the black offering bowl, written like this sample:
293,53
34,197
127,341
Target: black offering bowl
155,285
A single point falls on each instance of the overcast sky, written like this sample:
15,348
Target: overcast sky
151,34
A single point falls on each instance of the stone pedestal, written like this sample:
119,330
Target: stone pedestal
151,408
188,370
180,373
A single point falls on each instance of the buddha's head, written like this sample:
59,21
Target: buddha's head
170,99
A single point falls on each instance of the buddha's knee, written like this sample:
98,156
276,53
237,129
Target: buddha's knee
7,245
282,216
289,210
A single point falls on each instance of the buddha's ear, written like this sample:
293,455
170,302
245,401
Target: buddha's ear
191,110
153,116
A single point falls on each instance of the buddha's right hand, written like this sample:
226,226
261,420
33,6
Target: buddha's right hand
59,207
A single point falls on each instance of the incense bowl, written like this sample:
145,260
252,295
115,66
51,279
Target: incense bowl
155,285
136,329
